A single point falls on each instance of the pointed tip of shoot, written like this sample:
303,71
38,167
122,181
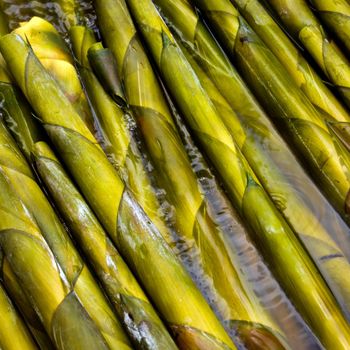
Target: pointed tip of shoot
166,40
250,180
42,149
258,337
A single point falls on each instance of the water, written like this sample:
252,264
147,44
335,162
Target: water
251,263
22,10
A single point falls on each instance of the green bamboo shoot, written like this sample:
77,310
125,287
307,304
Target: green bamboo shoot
189,317
290,262
341,131
42,279
116,125
54,54
306,128
187,199
194,226
23,304
19,173
14,334
62,13
67,12
305,27
272,165
17,170
112,122
250,260
336,16
121,286
292,59
29,136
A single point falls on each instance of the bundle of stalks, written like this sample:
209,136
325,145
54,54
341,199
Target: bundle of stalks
273,234
122,217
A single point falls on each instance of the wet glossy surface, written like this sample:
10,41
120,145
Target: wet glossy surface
22,10
250,261
270,294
